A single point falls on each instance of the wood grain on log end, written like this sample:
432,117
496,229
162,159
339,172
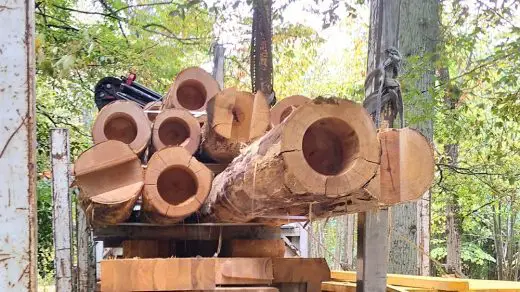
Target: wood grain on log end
407,166
176,127
238,115
330,147
191,90
285,107
123,121
176,185
110,178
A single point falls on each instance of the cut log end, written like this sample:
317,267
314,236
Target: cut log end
285,107
191,90
110,178
238,115
174,127
122,121
176,185
330,147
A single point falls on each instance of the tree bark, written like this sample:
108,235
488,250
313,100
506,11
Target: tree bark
327,150
418,32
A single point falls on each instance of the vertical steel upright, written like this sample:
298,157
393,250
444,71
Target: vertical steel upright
17,147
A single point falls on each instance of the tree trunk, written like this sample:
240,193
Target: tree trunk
453,216
325,150
418,32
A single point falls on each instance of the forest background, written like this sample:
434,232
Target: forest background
319,49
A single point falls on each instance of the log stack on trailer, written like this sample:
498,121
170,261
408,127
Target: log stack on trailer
211,156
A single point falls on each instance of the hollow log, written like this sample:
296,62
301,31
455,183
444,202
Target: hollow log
176,184
176,127
405,174
152,109
218,148
191,90
110,178
282,109
123,121
328,148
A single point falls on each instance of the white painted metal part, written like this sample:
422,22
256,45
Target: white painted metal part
61,209
17,147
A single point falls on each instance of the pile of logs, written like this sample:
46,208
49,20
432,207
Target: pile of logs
302,159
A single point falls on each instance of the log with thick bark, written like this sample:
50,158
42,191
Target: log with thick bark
327,148
110,177
176,127
176,185
123,121
234,117
282,109
191,90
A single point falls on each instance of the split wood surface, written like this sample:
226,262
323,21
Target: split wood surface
321,157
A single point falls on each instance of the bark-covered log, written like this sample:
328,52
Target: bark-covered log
191,90
176,184
110,178
326,149
234,117
176,127
123,121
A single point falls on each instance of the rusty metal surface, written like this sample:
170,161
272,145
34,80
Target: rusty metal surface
17,147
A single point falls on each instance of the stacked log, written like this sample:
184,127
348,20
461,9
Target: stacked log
320,158
326,149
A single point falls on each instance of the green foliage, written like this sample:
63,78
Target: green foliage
45,235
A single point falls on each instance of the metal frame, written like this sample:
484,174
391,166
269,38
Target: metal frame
17,147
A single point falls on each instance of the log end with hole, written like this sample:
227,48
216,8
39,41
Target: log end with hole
123,121
176,185
407,167
176,127
191,90
329,146
285,107
152,109
327,149
238,115
110,178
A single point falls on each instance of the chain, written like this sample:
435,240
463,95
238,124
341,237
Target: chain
389,88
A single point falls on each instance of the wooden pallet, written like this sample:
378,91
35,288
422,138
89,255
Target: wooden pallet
214,274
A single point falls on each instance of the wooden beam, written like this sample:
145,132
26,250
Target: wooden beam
434,283
17,148
61,210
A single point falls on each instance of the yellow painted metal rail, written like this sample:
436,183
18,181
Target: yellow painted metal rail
346,282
